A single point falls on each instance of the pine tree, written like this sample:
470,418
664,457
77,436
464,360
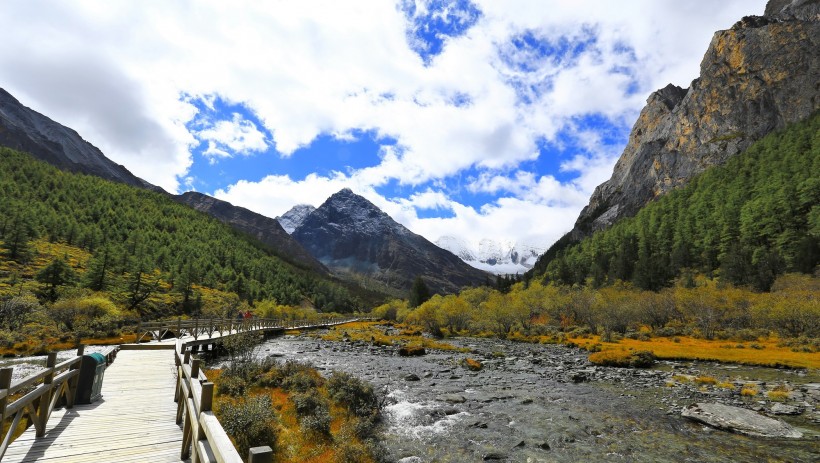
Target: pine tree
419,293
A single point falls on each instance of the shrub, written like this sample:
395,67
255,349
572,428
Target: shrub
317,424
250,422
411,351
705,380
300,381
619,358
749,390
354,394
233,386
471,364
307,403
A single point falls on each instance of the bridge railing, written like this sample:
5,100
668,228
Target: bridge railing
201,327
39,393
203,438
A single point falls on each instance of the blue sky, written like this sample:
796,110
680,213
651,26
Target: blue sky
476,119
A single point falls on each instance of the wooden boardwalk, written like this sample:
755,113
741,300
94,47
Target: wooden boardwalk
133,422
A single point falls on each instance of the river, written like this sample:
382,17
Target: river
546,403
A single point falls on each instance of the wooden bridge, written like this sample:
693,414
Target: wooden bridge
156,402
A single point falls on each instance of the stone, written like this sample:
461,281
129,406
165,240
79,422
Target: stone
412,377
413,459
783,409
495,456
740,420
453,398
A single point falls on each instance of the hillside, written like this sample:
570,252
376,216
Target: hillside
136,237
756,77
747,221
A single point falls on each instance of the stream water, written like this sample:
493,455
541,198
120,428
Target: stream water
537,403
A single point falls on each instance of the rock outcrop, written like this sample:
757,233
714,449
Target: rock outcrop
740,420
758,76
350,235
291,219
266,230
23,129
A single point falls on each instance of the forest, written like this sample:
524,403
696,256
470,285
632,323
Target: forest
746,223
74,244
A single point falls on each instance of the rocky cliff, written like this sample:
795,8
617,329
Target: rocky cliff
24,129
758,76
266,230
291,219
351,235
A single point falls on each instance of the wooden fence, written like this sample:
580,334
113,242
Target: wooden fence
203,438
201,327
36,395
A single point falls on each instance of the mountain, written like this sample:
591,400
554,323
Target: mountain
759,76
266,230
500,258
24,129
746,222
349,234
291,219
142,248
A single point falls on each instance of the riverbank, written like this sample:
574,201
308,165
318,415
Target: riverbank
534,402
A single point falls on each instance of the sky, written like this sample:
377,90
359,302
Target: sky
482,119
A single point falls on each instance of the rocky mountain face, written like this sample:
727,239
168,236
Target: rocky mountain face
349,234
24,129
494,256
291,219
756,77
266,230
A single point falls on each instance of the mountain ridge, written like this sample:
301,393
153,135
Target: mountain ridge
756,77
348,233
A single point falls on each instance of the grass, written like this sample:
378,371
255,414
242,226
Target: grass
687,348
293,444
376,333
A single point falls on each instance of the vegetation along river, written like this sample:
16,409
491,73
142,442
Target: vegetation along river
545,403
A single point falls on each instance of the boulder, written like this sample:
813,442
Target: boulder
739,420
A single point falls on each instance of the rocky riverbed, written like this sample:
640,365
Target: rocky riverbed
545,403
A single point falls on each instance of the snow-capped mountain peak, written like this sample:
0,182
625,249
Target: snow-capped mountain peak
291,219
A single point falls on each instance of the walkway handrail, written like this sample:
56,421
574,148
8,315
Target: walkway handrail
200,327
41,392
203,438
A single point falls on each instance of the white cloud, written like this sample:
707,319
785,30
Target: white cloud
116,71
237,135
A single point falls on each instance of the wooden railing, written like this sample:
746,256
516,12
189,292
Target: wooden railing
37,395
201,327
203,438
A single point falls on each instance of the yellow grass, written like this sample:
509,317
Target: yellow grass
701,349
374,332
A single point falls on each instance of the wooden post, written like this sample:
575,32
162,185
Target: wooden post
45,399
5,383
261,455
195,369
196,329
71,394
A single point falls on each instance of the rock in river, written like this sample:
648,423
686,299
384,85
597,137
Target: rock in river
739,420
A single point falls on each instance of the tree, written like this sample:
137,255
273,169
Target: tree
419,294
56,274
96,277
16,238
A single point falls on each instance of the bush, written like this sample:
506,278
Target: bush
472,364
250,423
300,381
619,358
317,424
233,386
411,351
354,394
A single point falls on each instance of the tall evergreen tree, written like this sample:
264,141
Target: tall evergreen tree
419,293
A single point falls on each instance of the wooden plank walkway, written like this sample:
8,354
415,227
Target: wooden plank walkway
133,422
